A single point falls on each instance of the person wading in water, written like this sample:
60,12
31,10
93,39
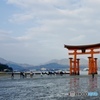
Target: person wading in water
92,75
12,75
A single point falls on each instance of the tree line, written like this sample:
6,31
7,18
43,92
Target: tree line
6,68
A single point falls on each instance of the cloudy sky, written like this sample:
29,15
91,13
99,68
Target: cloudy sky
35,31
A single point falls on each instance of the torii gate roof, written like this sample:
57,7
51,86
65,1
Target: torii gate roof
80,47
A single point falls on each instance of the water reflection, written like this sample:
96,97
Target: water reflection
83,84
74,84
93,84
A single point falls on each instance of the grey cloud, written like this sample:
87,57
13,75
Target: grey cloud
58,23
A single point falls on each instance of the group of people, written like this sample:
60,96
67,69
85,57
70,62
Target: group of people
22,75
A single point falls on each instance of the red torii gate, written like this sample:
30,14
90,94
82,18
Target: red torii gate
83,49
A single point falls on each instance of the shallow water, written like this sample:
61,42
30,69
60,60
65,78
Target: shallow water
49,88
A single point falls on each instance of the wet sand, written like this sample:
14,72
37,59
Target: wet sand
52,87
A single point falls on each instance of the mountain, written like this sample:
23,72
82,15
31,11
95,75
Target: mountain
66,61
26,65
13,65
16,66
3,61
83,62
54,64
51,65
61,61
4,67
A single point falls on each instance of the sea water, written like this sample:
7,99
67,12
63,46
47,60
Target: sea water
50,87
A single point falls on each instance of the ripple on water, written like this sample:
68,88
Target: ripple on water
50,88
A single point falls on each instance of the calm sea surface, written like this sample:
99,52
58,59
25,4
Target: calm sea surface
49,88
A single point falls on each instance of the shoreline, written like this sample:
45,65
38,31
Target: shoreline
6,75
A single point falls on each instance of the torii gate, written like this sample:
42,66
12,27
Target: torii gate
83,49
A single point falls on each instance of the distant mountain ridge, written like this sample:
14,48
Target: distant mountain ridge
53,64
14,65
6,68
65,61
3,61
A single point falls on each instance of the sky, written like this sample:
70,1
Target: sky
35,31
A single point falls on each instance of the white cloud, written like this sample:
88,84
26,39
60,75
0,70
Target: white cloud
19,18
27,3
53,19
78,38
57,22
5,35
4,32
23,38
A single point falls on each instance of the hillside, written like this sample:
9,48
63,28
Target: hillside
13,65
51,65
4,67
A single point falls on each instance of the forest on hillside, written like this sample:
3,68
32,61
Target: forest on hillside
6,68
